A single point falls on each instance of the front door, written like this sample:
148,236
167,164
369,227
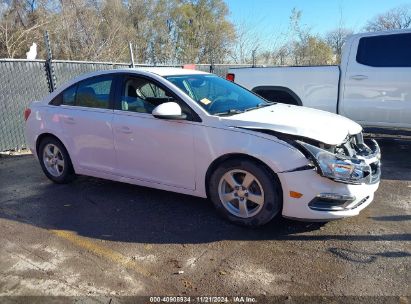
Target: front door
150,149
377,89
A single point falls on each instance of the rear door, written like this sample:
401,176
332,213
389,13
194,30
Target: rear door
377,90
86,113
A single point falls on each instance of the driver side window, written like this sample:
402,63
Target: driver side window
142,95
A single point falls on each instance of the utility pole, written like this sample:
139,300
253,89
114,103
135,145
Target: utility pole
254,58
211,62
130,47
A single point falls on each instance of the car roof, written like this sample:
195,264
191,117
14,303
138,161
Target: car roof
160,71
382,33
168,71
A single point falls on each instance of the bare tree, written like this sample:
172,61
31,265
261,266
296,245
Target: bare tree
163,31
3,8
281,55
19,28
300,35
247,40
336,39
396,18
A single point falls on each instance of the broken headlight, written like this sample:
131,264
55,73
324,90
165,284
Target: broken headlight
337,167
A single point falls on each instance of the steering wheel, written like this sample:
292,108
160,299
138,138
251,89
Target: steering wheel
212,105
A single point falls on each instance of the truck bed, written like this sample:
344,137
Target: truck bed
316,86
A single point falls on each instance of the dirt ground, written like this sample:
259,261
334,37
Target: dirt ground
100,238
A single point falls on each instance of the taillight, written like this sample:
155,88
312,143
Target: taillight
189,66
27,113
230,77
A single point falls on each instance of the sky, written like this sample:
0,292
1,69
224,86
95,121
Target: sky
271,17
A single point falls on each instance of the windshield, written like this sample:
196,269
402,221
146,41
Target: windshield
217,95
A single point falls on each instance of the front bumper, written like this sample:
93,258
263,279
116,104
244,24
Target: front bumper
318,200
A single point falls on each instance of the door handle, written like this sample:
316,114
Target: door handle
125,130
359,77
69,120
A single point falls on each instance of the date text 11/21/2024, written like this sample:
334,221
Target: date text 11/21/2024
202,299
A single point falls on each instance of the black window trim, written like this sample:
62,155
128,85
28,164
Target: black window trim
193,116
278,89
357,60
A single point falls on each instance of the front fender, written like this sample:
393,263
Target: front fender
213,143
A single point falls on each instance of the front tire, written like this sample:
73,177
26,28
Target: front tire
55,161
245,192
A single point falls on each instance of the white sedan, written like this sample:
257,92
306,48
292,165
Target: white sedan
195,133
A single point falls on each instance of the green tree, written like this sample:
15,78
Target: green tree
202,31
306,48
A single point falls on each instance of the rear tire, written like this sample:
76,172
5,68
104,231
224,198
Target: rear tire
55,161
245,192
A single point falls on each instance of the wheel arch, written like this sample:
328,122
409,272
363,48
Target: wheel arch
280,89
45,135
237,156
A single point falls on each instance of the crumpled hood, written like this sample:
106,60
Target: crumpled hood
319,125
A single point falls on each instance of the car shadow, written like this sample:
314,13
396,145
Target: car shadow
396,158
392,218
365,257
115,211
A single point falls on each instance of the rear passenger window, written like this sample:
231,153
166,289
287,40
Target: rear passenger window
385,51
69,96
94,92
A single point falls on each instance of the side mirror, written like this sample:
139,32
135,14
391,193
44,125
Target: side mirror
168,110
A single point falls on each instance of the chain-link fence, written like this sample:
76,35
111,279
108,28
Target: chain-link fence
22,81
66,70
220,69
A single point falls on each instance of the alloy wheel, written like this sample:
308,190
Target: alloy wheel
241,193
53,160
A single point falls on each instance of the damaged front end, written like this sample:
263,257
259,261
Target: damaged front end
354,161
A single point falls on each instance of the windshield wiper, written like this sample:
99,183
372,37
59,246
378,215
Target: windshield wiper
261,105
236,111
229,112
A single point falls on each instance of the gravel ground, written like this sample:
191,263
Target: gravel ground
100,238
